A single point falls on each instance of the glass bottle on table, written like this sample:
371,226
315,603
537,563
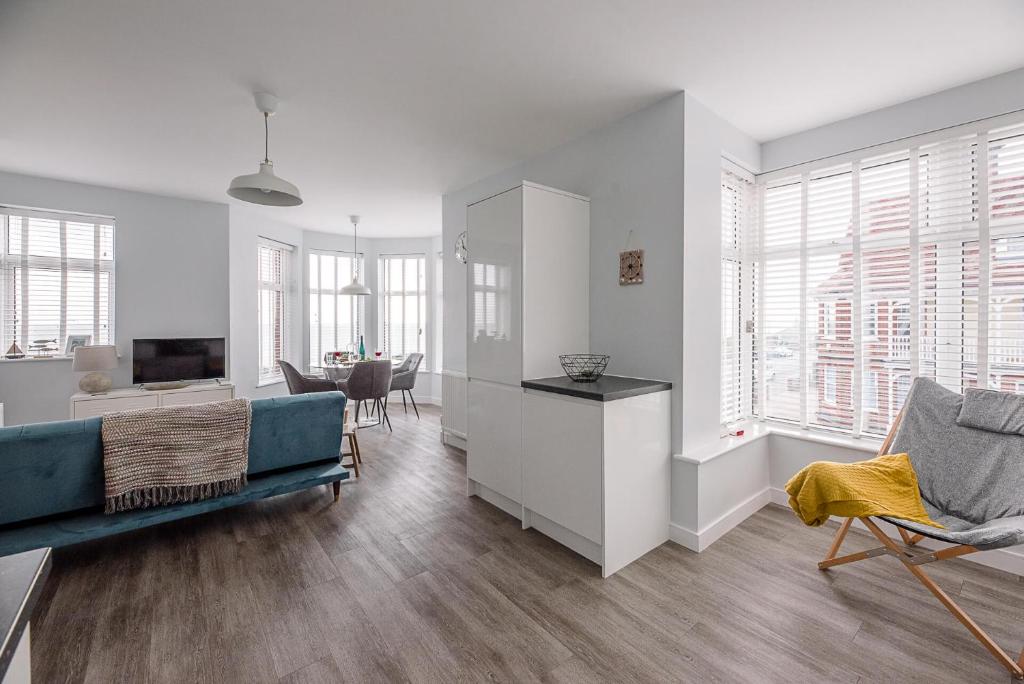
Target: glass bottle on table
362,349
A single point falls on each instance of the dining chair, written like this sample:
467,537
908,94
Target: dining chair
369,381
404,380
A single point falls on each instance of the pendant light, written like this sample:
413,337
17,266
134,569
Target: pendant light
264,187
355,287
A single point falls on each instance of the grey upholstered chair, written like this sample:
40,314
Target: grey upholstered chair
967,452
369,381
404,379
305,384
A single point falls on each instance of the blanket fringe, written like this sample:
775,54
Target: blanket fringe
146,497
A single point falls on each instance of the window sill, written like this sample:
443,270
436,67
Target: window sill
268,383
756,430
34,359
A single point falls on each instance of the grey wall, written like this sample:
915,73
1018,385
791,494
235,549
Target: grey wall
632,171
171,273
978,100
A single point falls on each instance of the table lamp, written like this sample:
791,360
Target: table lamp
92,360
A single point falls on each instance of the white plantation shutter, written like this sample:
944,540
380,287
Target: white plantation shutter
403,303
780,321
273,307
884,259
1006,258
57,274
878,266
335,320
737,297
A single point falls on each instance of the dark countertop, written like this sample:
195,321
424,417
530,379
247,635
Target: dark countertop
607,388
22,576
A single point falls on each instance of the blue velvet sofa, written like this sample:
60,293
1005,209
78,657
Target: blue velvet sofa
51,474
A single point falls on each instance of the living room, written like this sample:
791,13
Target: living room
449,341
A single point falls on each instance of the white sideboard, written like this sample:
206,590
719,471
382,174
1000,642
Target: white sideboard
85,405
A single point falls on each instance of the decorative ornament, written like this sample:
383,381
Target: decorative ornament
461,250
631,267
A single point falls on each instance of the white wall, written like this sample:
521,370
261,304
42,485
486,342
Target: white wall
632,171
171,279
978,100
707,138
246,228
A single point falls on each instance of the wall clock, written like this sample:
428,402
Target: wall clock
461,251
631,267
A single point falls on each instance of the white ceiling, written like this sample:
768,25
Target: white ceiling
387,104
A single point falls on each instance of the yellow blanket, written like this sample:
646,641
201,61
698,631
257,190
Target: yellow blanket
885,485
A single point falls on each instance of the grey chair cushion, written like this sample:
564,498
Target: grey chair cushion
995,534
406,379
992,411
972,478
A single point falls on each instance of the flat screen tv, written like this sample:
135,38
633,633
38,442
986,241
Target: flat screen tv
180,358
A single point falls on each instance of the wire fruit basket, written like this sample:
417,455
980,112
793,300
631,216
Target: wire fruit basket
584,367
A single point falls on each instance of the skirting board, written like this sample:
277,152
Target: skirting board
453,438
492,497
706,536
1000,559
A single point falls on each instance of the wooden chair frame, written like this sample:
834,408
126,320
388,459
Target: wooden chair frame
912,558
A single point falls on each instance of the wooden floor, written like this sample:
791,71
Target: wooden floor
407,579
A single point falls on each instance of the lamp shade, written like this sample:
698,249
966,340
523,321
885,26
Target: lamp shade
265,188
355,288
100,357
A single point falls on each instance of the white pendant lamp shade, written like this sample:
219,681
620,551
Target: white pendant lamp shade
264,187
355,287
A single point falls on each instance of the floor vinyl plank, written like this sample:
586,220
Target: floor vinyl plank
406,579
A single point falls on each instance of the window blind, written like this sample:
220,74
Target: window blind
57,273
274,309
737,224
335,320
878,266
403,303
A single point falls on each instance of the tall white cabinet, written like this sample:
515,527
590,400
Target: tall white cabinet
528,284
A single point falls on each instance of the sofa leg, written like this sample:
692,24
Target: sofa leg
337,489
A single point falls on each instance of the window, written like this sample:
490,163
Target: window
871,391
403,304
438,311
335,320
737,222
879,266
272,275
57,274
830,384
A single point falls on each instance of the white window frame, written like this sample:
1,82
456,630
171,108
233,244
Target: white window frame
331,292
272,374
958,346
15,270
386,289
870,391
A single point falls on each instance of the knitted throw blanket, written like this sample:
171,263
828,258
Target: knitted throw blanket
175,454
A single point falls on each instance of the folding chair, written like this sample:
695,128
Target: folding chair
968,454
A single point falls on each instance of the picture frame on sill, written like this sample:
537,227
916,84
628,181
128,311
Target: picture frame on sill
75,341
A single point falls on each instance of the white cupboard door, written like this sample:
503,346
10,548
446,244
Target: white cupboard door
562,440
556,279
98,407
494,288
495,437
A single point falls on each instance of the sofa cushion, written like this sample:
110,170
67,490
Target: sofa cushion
292,430
50,468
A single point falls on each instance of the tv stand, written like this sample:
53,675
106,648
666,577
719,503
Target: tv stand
85,405
157,386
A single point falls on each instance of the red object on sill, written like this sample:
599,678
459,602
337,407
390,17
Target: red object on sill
736,433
